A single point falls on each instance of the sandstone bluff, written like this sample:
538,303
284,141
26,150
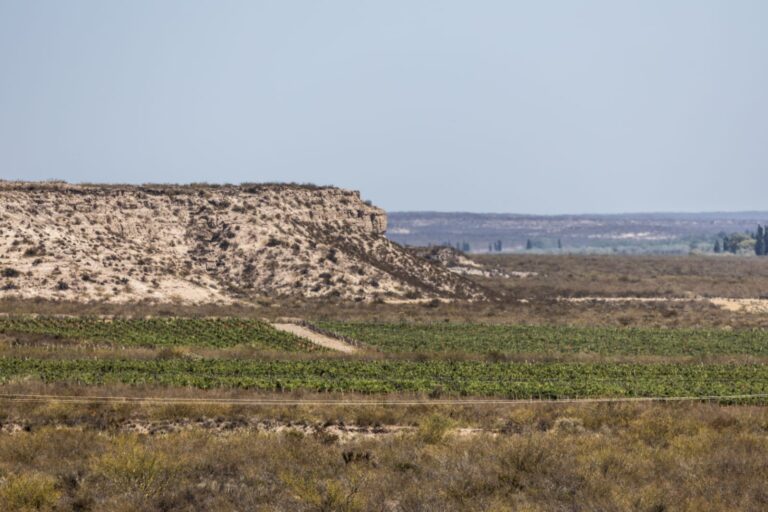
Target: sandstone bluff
205,243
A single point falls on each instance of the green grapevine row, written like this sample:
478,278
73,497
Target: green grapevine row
160,332
512,380
522,339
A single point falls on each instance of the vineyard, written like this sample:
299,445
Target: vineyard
509,380
160,332
524,339
412,371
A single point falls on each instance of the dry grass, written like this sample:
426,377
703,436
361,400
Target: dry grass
623,457
630,276
510,311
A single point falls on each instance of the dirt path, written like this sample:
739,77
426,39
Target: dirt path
316,338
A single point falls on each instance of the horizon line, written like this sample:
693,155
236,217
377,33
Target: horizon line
584,214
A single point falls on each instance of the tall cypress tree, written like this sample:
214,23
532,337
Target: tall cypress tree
765,241
726,244
718,249
760,241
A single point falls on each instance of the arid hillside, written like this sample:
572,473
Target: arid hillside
201,243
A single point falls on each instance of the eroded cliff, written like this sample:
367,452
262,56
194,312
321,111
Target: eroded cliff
203,243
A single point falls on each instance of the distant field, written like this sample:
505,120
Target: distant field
511,380
160,332
543,340
629,276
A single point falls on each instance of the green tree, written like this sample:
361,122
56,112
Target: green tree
765,241
760,248
739,243
528,245
718,249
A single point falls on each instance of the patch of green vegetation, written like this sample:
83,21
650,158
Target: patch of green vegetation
526,339
160,332
467,378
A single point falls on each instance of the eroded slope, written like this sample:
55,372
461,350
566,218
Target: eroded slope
205,244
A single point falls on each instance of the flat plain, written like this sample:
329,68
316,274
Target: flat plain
528,401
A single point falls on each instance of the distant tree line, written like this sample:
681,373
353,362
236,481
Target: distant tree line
539,244
459,246
530,244
734,243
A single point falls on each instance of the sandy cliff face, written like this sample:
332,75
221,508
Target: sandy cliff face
204,244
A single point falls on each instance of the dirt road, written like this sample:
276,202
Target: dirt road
317,338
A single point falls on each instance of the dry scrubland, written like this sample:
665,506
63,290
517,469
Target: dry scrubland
244,417
626,457
634,276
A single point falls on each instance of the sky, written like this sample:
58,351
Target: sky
541,106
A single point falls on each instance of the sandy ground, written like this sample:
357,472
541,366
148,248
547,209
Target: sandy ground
317,338
729,304
746,305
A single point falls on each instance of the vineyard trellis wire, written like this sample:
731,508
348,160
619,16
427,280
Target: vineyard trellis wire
356,402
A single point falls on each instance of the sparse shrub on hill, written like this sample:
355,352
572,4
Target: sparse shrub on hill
10,272
34,251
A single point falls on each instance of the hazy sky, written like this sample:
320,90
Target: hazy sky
538,106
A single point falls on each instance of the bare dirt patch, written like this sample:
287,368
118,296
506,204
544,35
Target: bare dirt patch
728,304
742,305
315,337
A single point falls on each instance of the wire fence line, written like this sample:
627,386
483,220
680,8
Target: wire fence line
360,402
